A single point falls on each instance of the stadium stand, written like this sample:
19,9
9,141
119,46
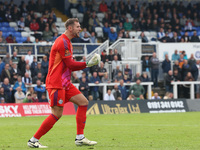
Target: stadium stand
144,18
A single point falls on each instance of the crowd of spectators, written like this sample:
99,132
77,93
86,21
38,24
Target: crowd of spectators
173,21
26,15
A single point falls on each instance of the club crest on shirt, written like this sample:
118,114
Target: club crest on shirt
67,53
60,101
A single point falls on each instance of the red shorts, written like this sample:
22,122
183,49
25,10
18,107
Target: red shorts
58,97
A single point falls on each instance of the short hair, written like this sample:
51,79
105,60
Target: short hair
70,22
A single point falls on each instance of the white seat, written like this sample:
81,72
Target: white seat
153,34
38,14
146,33
99,34
74,12
13,24
128,15
100,16
39,32
61,29
57,24
62,24
98,29
132,34
80,17
59,19
130,19
32,38
25,34
27,29
138,33
114,28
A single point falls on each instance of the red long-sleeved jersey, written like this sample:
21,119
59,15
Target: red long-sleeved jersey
61,64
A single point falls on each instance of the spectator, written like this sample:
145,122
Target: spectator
29,57
7,89
186,37
194,38
110,55
34,26
104,56
6,74
137,89
145,78
28,40
7,59
85,39
39,89
39,68
146,65
166,66
155,96
185,68
105,78
33,67
75,78
3,40
115,19
116,63
10,39
127,25
186,89
27,79
22,65
55,36
177,75
47,34
14,71
43,98
19,95
14,58
112,35
115,72
35,98
54,29
165,39
143,38
106,30
128,72
168,95
109,96
3,95
136,77
28,98
175,56
93,22
20,84
101,70
93,38
45,66
94,89
28,20
38,77
169,78
184,55
118,77
118,55
161,34
21,24
130,97
126,79
28,70
123,89
84,87
154,69
2,66
116,93
191,60
103,6
83,33
175,38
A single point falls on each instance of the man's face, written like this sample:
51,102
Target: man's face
76,29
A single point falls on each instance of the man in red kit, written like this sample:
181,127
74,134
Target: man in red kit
59,87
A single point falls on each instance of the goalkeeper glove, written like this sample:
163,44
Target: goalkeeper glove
94,60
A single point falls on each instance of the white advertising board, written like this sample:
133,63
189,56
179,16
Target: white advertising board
169,48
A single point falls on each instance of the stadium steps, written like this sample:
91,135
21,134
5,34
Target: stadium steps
60,14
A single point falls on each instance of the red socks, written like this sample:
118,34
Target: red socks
46,125
81,118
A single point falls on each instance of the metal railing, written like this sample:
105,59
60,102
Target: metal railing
192,89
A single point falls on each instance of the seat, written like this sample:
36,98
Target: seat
98,29
100,16
138,33
61,29
57,24
17,34
153,34
58,19
25,34
5,24
27,29
80,17
32,38
132,34
3,29
74,12
5,34
128,15
99,34
146,33
11,29
13,24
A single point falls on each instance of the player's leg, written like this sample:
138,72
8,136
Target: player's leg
82,103
48,123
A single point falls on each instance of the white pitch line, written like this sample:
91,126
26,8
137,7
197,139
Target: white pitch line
152,125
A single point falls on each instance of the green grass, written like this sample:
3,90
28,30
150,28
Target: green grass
175,131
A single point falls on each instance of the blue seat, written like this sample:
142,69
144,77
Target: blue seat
5,24
23,38
3,29
4,34
19,39
17,34
10,33
11,29
190,33
182,33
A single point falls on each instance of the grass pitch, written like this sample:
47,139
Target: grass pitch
175,131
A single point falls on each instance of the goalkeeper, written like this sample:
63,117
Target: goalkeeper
59,87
